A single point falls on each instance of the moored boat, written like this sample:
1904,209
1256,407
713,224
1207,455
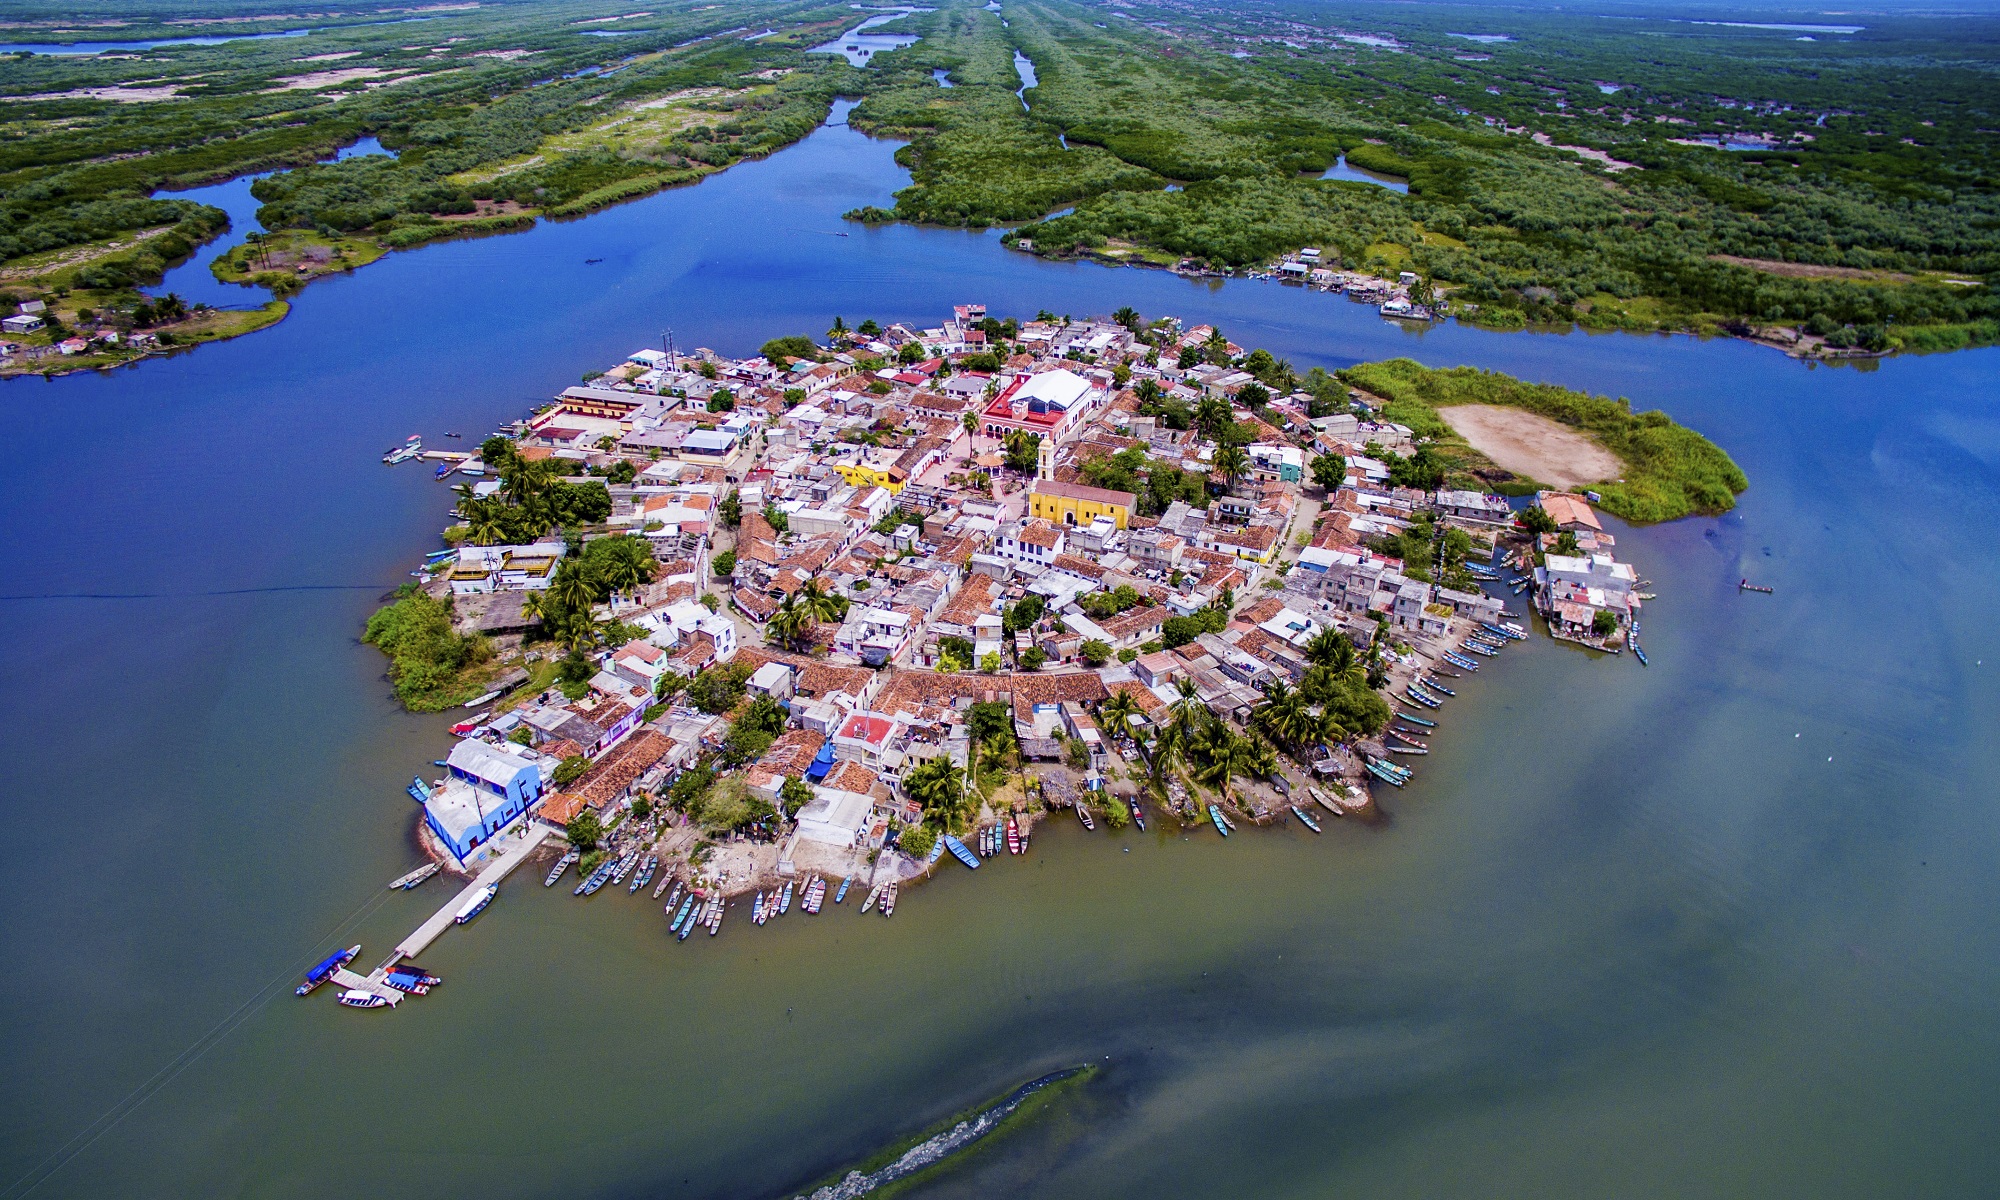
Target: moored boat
1416,720
680,918
1642,656
757,914
645,875
1459,660
359,998
785,901
960,851
324,969
1083,814
1215,815
874,894
1138,814
1386,772
889,901
842,893
1435,686
1013,835
415,877
562,864
1305,819
473,907
1422,697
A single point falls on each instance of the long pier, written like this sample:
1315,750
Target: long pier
442,919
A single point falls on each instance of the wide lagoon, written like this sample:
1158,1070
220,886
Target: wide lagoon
1717,927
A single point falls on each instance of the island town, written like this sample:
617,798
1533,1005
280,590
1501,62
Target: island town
788,631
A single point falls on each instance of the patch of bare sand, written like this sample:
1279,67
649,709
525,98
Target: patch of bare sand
1526,444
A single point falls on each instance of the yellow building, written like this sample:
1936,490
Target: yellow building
1074,504
866,475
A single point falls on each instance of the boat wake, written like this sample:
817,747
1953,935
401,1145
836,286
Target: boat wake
935,1149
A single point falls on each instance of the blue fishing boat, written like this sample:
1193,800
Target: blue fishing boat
1459,660
680,918
937,852
325,968
961,852
443,470
1435,686
1215,815
438,762
842,893
1382,772
1642,656
1304,819
1476,648
1423,698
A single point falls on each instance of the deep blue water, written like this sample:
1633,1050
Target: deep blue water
192,280
1719,927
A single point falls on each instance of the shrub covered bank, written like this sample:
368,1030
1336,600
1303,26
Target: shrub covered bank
1670,470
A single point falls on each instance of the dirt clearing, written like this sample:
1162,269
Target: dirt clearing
1546,451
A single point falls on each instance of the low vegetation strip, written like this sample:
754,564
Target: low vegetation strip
1670,470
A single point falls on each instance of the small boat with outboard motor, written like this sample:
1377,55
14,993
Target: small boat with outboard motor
325,968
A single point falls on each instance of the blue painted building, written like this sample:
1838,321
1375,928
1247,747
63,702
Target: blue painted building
487,788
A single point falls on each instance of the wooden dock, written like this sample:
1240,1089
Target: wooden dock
533,834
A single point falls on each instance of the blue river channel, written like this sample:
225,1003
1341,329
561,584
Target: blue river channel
1717,927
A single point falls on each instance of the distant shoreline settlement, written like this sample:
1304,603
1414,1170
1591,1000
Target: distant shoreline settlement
791,629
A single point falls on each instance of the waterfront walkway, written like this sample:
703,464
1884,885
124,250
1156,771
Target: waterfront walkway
531,836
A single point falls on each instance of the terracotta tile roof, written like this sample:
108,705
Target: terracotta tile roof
1141,694
973,599
819,679
851,777
559,749
620,766
759,606
1138,620
793,752
560,808
1079,565
1262,611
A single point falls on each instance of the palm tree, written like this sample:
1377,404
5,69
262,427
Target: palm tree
484,526
938,786
1212,416
1214,755
837,331
1117,712
1148,391
1234,463
572,590
1323,646
788,625
531,606
1285,714
578,631
1128,317
971,423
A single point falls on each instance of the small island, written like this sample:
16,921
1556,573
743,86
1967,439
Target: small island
796,626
